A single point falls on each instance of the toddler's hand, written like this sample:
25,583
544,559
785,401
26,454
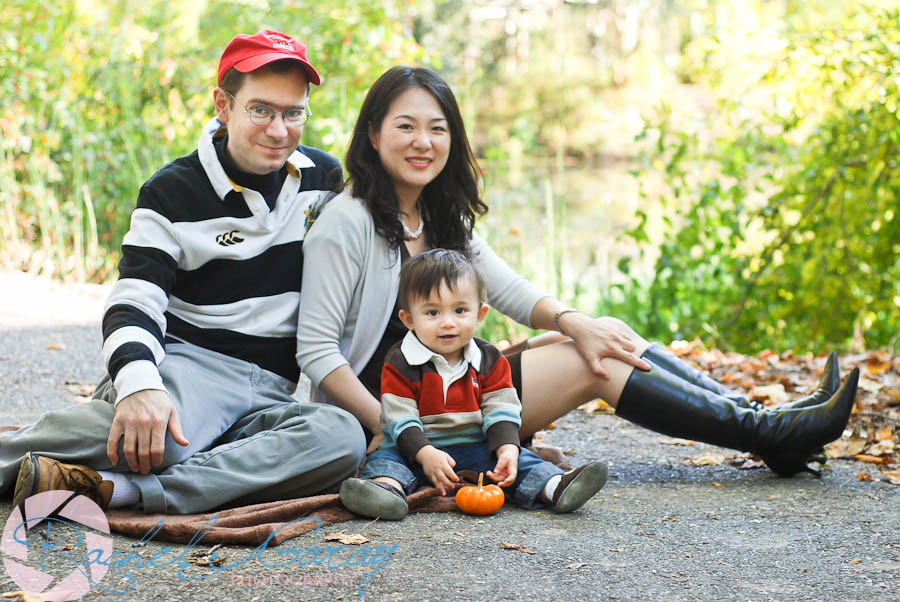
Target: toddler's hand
438,467
504,473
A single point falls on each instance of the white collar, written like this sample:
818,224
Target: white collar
417,354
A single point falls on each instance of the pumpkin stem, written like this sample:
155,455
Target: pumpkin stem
480,479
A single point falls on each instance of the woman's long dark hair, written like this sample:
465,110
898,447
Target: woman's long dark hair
450,202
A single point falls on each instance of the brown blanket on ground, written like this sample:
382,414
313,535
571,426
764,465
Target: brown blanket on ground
252,525
273,522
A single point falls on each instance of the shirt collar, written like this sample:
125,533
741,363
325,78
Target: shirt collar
417,354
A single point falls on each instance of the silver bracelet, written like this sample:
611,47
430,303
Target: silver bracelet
559,314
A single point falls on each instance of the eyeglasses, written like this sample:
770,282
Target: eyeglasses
263,115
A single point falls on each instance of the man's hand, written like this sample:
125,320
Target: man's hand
504,473
438,467
597,338
142,419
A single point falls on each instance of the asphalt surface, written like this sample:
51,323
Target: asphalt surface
661,529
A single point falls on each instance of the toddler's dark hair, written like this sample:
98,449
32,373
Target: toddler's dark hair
423,274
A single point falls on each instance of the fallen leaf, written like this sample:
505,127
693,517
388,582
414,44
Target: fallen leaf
710,459
845,447
869,386
597,406
23,596
864,477
513,546
884,434
680,347
882,448
751,463
205,558
893,396
729,378
677,441
56,346
717,484
893,476
872,459
85,389
356,539
575,565
878,363
748,368
774,393
855,561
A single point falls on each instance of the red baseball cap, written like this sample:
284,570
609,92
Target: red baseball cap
248,53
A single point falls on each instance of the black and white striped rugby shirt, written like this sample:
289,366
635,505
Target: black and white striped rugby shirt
207,262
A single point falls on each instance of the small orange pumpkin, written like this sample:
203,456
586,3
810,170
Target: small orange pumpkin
481,500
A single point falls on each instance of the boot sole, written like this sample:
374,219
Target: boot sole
25,481
363,497
582,488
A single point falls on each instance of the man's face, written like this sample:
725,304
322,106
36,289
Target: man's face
261,149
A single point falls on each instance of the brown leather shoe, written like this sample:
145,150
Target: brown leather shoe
38,474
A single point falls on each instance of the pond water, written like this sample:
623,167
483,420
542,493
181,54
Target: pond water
563,228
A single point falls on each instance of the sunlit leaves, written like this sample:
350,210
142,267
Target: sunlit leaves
785,240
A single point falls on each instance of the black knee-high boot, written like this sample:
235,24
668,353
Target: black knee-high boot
785,439
662,357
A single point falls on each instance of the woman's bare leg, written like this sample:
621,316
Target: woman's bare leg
556,379
546,338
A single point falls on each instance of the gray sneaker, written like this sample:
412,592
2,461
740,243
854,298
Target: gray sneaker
578,486
373,499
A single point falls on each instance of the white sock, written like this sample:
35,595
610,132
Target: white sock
550,487
125,492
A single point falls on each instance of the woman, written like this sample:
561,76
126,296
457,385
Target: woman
413,185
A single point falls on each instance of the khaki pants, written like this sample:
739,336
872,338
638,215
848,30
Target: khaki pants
250,441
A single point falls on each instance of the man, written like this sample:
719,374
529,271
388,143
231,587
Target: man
200,330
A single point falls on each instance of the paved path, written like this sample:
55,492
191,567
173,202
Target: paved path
662,529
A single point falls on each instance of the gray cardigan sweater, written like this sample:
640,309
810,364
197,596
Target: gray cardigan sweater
350,283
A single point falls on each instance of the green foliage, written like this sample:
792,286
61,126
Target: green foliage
788,230
98,96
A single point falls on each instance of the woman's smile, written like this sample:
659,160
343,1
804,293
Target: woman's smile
419,162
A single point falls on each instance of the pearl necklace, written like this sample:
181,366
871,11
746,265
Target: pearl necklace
410,235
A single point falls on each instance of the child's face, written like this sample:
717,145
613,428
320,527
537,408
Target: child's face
446,321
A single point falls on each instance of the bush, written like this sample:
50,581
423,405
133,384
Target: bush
787,230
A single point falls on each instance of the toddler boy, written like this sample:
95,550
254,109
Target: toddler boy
447,401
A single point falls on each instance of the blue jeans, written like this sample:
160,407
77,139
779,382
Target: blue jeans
533,474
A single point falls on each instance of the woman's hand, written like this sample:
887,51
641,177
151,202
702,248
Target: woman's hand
597,338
